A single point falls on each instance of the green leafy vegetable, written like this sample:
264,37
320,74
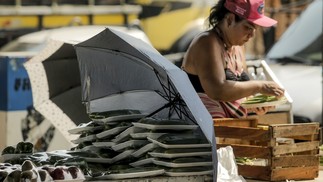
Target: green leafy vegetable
260,99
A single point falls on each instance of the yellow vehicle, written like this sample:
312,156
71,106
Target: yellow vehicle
169,24
19,17
172,24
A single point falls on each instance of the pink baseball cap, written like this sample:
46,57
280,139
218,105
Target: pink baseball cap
252,10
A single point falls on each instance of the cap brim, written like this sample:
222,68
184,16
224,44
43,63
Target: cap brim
263,21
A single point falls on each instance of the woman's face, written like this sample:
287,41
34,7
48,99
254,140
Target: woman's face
242,31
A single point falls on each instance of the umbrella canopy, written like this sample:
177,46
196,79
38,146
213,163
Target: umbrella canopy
302,41
55,77
55,80
119,71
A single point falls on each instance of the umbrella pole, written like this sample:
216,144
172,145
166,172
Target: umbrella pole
169,104
177,98
161,108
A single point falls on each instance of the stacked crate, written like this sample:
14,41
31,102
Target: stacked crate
279,151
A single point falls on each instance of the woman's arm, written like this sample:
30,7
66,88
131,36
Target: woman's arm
209,66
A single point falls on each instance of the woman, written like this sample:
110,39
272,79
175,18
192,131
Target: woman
215,61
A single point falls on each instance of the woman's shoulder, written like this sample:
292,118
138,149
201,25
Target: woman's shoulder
206,38
205,35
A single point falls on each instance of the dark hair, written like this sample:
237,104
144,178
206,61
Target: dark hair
218,12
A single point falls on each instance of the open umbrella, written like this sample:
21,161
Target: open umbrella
119,71
55,79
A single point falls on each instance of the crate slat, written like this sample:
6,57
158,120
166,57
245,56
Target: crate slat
247,122
295,173
307,137
288,130
249,151
254,172
241,132
294,161
294,148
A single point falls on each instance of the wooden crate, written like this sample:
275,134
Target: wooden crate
247,122
282,151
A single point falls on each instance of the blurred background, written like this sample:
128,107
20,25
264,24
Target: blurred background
166,22
169,25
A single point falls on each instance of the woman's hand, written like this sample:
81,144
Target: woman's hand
272,88
261,110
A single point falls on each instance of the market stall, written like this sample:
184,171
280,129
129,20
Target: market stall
144,118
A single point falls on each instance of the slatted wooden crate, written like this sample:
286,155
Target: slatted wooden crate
282,151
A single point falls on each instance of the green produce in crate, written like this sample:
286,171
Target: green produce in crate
244,160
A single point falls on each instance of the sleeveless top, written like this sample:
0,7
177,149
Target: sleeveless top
228,74
233,71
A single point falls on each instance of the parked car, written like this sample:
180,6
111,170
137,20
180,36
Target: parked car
21,17
172,24
34,42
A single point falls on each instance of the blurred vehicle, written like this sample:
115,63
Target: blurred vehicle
172,24
21,17
296,60
30,44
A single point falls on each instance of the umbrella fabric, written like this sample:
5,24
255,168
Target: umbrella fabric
116,75
303,39
55,76
55,80
119,71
